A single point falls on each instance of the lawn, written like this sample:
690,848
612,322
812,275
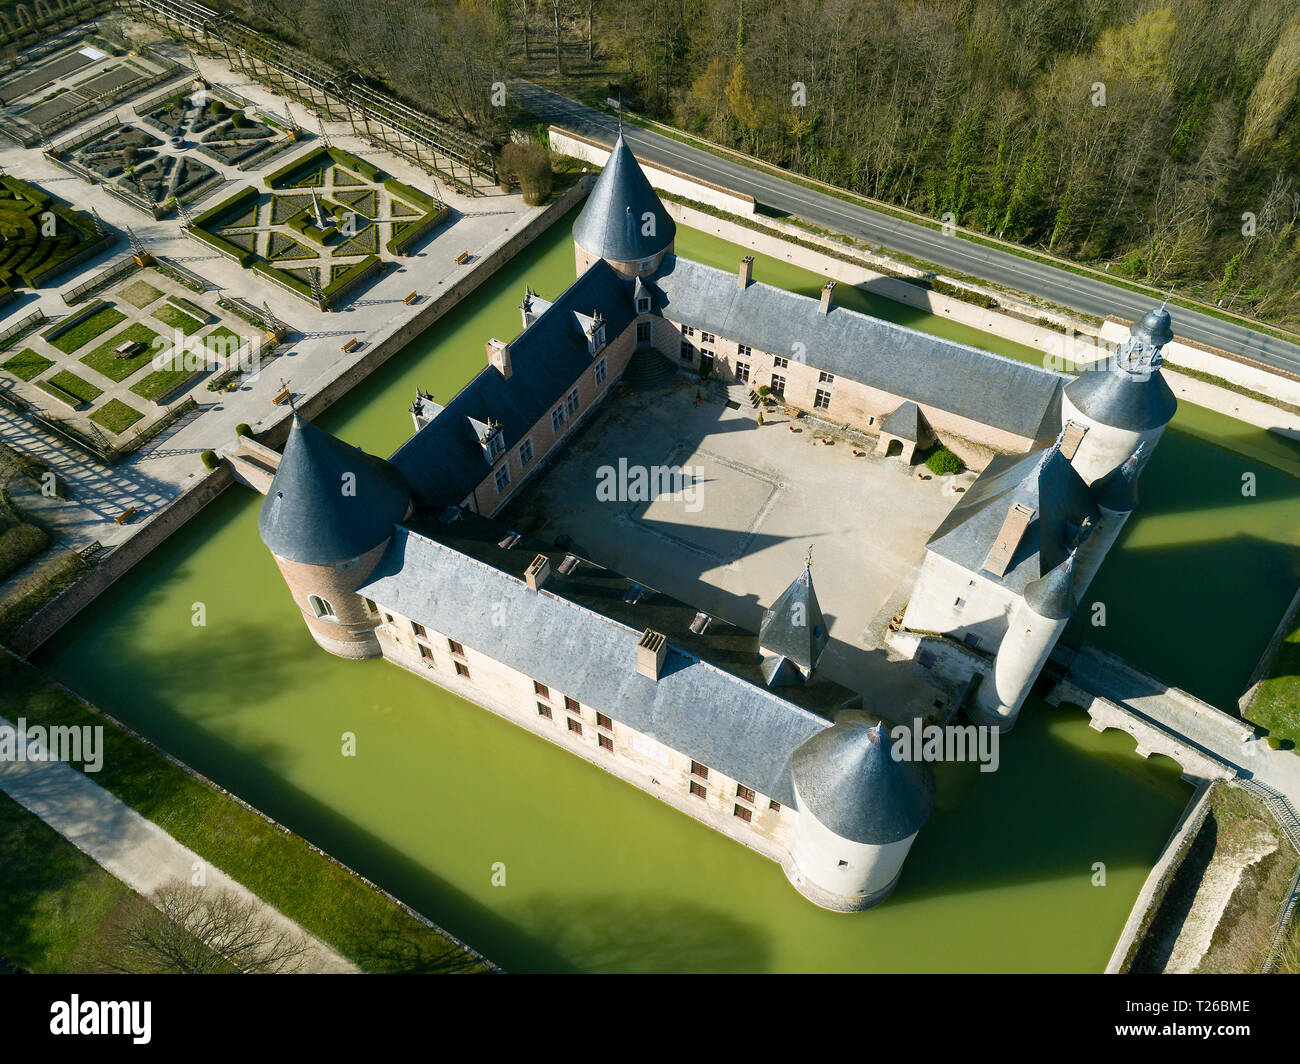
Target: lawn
57,906
178,319
223,341
104,360
1277,703
140,294
116,416
280,868
27,364
161,381
85,331
67,387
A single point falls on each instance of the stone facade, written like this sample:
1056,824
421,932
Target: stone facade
349,631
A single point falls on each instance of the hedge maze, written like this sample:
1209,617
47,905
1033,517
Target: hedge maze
40,236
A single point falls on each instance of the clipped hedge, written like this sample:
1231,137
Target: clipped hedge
243,198
221,244
397,245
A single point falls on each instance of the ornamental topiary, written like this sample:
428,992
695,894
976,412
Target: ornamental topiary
243,430
210,459
941,461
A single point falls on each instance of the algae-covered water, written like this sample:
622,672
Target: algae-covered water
601,877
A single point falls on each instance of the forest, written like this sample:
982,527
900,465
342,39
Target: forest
1159,139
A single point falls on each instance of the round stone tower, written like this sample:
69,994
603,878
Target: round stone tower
1125,405
1036,622
623,221
1117,497
859,811
327,518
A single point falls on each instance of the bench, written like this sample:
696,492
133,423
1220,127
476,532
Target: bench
124,516
411,298
282,398
462,258
351,345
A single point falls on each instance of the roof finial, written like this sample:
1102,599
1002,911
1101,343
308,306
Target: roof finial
807,561
1167,297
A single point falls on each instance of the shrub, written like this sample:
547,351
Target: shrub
1274,743
530,165
242,429
764,390
941,461
210,459
239,120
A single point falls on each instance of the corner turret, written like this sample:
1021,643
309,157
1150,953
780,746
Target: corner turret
623,222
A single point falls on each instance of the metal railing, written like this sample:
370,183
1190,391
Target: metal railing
1287,820
22,326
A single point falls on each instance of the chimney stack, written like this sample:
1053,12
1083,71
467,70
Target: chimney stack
828,291
498,355
650,653
746,271
537,572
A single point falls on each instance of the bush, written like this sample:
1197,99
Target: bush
529,164
764,390
1274,743
242,429
210,459
941,461
239,120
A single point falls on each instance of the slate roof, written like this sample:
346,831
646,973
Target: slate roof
905,423
1052,596
793,627
443,462
1043,480
849,780
1123,399
308,517
1118,489
578,636
935,372
612,222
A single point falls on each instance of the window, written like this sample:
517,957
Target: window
745,814
825,378
455,647
321,607
575,726
778,384
744,792
698,790
418,629
779,363
960,604
742,372
603,721
687,351
774,805
501,478
743,350
643,332
541,689
571,704
699,770
525,452
706,338
557,420
600,372
543,710
643,305
571,403
844,864
371,607
688,330
462,669
495,446
606,743
425,652
822,400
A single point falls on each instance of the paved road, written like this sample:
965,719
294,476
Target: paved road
929,245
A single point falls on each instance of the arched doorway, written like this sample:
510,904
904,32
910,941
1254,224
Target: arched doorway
894,449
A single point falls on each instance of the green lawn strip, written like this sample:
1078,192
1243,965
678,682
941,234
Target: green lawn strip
280,868
104,359
161,381
1277,702
69,384
140,294
83,332
116,416
178,319
27,364
227,341
58,908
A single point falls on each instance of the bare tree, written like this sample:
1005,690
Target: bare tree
200,930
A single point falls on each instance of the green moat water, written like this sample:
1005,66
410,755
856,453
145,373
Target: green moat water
602,877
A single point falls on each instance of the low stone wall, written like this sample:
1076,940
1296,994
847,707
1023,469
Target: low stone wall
566,142
1158,882
117,563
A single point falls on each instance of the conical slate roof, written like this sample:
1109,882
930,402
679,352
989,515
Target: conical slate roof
846,777
793,627
1118,490
612,224
1052,595
316,513
1130,393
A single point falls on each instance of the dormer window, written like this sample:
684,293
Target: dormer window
643,304
596,333
492,438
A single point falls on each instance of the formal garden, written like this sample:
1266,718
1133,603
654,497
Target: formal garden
322,226
41,237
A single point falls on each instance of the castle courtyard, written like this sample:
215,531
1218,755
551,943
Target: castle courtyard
729,534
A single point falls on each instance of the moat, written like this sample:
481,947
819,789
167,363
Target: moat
602,877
